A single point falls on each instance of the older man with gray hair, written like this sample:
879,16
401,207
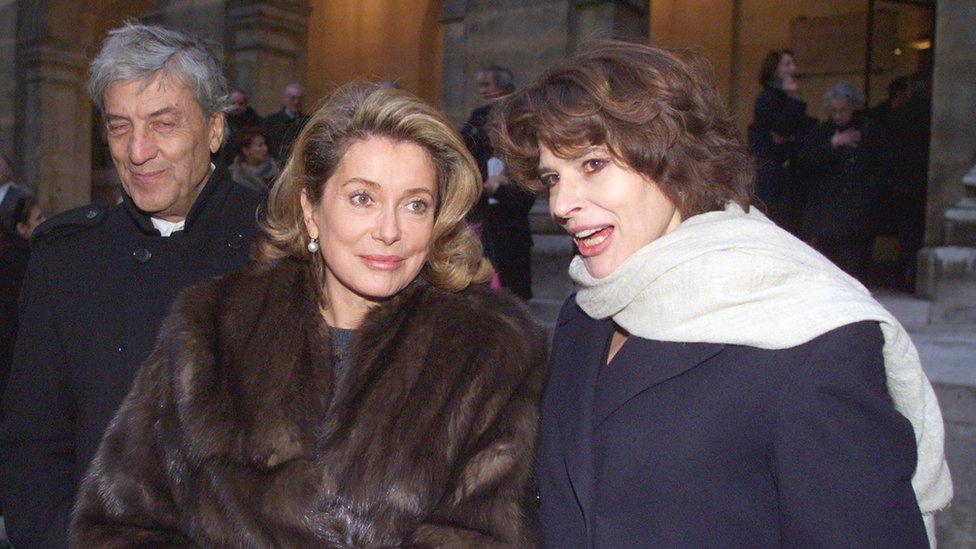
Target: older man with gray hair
100,280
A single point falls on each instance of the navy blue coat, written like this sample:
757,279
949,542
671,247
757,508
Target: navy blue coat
710,445
99,283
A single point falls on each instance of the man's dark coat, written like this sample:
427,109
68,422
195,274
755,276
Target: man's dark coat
280,132
99,283
238,433
708,445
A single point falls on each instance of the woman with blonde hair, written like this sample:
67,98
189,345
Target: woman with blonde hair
362,386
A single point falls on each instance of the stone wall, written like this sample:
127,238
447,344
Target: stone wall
8,78
953,111
527,36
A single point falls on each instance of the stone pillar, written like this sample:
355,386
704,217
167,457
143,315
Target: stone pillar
8,73
202,18
527,36
947,268
53,115
953,145
266,48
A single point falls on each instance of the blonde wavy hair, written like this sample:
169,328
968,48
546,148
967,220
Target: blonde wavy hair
356,112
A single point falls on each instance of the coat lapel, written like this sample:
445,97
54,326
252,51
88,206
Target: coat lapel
641,364
579,351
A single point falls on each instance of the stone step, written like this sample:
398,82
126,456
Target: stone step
913,312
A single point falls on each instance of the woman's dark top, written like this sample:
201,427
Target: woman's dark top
341,345
712,445
778,121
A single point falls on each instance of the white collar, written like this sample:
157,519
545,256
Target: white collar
167,228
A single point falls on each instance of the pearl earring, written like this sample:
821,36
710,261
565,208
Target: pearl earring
313,245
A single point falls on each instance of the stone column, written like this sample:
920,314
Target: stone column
527,36
202,18
8,73
266,48
953,145
947,268
53,116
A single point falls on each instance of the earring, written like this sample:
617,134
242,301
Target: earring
313,245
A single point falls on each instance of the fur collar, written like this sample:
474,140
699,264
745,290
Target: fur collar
438,410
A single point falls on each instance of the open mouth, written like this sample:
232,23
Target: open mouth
592,240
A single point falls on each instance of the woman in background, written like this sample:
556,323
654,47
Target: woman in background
362,387
715,381
779,119
253,167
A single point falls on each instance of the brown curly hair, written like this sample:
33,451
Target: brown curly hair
654,108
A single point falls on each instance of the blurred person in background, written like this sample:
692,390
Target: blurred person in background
239,115
843,168
905,118
20,214
503,212
779,119
253,167
101,279
280,129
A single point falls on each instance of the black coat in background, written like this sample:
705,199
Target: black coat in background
843,186
506,233
280,131
907,135
777,113
99,283
235,123
14,255
710,445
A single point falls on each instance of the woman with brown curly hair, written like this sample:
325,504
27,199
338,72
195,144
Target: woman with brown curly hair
715,382
361,387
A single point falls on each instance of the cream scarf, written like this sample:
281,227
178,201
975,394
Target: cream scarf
736,278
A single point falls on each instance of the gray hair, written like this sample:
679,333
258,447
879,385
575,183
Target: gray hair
143,51
846,92
503,77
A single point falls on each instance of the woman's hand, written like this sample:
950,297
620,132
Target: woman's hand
849,138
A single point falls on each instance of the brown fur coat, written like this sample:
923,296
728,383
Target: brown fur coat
236,434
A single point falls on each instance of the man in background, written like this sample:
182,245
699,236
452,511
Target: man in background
281,128
240,115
